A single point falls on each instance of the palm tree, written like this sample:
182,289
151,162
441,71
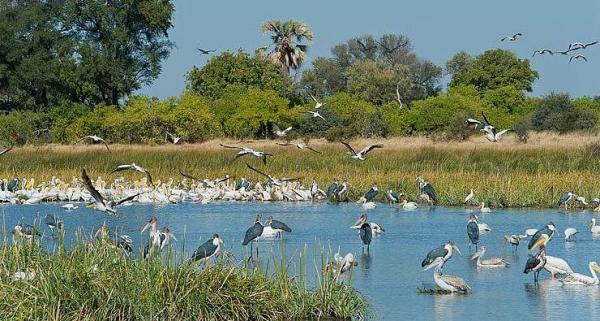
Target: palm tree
289,52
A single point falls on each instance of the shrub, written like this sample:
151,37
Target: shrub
557,112
17,128
521,127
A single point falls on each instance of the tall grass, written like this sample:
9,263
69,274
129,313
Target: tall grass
100,283
504,174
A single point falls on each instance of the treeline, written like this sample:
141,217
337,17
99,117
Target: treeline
369,86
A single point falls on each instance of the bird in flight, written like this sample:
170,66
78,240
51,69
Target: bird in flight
172,138
206,51
578,57
135,167
361,155
248,151
300,146
584,46
318,104
102,204
281,133
513,37
488,128
315,114
542,52
272,180
95,139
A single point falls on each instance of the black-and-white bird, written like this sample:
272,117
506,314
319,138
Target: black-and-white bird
473,231
392,196
428,191
542,52
100,203
370,195
205,51
585,45
535,264
272,180
254,232
315,114
275,228
565,199
172,138
514,37
135,167
442,253
577,57
281,133
24,230
316,192
159,242
332,189
209,249
300,146
95,139
243,151
55,224
13,184
485,126
575,46
366,235
242,183
6,150
570,233
542,236
318,104
361,155
514,240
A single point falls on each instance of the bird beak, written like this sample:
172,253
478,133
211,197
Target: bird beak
145,227
173,236
538,243
457,250
596,268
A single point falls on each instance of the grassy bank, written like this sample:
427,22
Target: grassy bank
504,174
104,284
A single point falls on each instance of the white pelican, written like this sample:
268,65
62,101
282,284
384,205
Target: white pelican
483,209
448,282
443,253
483,227
555,265
578,57
243,151
530,232
318,104
300,146
272,180
581,279
99,202
361,155
95,139
345,263
281,133
70,207
570,233
135,167
27,274
408,205
315,114
376,229
595,229
172,138
542,52
208,250
494,262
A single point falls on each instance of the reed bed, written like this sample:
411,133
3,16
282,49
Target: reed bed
94,281
506,174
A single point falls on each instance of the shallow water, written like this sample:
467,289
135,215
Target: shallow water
389,277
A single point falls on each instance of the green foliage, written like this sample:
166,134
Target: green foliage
495,68
18,128
370,81
557,112
325,78
235,70
522,127
459,63
507,97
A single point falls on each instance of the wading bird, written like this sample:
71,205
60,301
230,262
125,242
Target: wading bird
392,197
514,240
274,228
254,232
95,139
555,265
578,57
345,263
172,138
514,37
493,262
99,202
366,235
595,229
135,167
360,155
427,190
243,151
473,231
565,199
209,249
300,146
443,253
281,133
570,234
535,264
272,180
581,279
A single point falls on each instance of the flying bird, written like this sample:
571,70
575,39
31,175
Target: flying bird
281,133
360,155
542,52
578,57
513,37
272,180
102,204
205,51
135,167
315,114
243,151
95,139
300,146
172,138
318,104
584,46
485,126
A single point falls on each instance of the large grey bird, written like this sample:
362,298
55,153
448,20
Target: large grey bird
366,235
243,151
473,231
208,250
371,193
428,190
535,264
443,253
100,203
13,184
566,198
361,154
95,139
331,190
253,233
135,167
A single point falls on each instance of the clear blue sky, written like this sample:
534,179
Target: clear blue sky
438,29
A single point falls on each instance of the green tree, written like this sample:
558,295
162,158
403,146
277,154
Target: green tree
459,63
373,82
493,69
235,70
557,112
287,36
325,78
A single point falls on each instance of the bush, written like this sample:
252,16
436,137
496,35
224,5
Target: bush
557,112
521,127
17,128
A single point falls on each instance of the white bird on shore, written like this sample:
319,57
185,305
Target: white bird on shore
361,155
570,233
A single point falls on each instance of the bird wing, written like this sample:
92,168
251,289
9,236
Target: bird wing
122,168
205,250
371,194
349,147
6,150
278,225
252,233
439,252
223,179
256,170
188,176
313,98
456,282
369,148
105,145
485,120
229,146
284,144
124,200
502,132
590,44
473,232
90,188
429,190
276,128
583,57
534,52
80,140
313,150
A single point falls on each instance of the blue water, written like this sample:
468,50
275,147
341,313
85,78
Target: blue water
389,277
